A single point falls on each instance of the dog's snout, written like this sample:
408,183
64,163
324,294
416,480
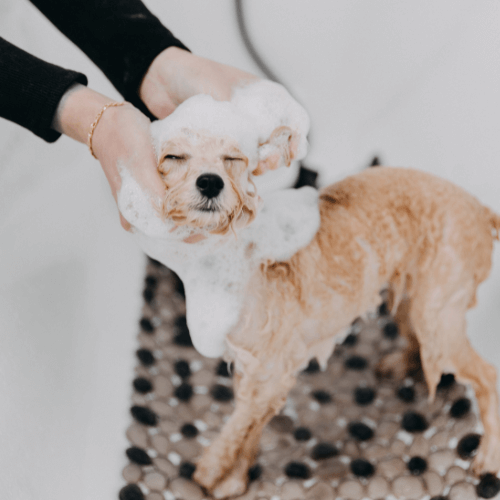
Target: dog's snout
209,185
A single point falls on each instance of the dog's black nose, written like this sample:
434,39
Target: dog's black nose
209,185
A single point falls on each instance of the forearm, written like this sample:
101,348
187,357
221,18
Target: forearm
122,37
31,89
77,110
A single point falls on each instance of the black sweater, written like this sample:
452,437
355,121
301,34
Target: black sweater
121,37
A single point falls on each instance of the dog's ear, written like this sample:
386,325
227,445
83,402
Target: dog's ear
280,149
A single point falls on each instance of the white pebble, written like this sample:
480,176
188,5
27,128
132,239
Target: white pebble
175,458
176,437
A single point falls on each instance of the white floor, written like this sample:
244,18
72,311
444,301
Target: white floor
415,82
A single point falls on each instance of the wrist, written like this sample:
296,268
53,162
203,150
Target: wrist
154,90
77,110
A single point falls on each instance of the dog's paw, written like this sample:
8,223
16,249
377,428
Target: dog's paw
487,458
393,365
231,486
207,474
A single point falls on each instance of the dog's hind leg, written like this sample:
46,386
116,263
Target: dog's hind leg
404,361
445,347
472,368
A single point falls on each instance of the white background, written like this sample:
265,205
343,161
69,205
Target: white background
415,82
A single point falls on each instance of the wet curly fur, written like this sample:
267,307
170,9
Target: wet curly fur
425,239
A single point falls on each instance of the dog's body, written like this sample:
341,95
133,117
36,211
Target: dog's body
427,240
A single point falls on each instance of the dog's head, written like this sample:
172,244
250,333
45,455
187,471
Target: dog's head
208,182
209,150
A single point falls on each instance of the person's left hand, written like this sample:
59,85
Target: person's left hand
176,74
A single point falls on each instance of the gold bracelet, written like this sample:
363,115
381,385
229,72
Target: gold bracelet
96,121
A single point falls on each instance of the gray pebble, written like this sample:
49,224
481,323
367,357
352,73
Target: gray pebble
320,491
407,488
351,490
462,491
155,481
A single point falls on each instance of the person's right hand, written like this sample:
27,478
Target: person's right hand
121,139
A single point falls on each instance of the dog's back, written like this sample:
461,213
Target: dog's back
407,217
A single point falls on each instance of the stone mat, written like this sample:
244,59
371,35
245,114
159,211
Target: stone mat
344,434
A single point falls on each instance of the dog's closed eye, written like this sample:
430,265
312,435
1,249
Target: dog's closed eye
234,160
174,157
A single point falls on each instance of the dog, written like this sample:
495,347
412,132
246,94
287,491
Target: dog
271,288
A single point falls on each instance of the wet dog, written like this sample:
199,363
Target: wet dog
271,290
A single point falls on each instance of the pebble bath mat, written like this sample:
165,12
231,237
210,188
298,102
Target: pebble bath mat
344,434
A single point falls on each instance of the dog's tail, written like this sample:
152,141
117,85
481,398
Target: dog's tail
494,222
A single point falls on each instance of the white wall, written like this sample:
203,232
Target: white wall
416,82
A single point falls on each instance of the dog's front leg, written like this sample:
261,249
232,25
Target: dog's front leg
223,467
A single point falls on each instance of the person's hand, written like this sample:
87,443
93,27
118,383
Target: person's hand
121,139
176,74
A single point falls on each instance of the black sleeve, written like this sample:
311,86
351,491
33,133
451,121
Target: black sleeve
122,37
30,89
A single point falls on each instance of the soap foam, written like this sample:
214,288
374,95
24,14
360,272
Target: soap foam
216,271
251,116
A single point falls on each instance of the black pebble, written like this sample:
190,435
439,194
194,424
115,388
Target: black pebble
302,434
324,450
189,431
361,467
468,445
460,408
186,470
298,470
144,415
439,497
254,472
131,492
142,385
146,325
383,309
447,380
184,392
360,431
391,330
182,368
223,369
350,340
414,422
488,486
321,396
364,395
151,281
222,393
406,393
145,357
312,367
138,456
417,465
356,363
181,335
148,295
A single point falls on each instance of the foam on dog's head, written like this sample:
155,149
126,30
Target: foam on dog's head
270,107
203,114
254,113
